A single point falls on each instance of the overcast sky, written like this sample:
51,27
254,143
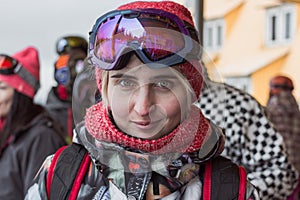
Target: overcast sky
40,23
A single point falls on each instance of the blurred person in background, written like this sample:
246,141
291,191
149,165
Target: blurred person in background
71,50
282,109
251,140
27,133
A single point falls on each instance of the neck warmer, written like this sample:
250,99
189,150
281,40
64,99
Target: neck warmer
187,137
62,92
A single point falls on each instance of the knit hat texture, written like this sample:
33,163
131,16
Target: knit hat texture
29,59
169,6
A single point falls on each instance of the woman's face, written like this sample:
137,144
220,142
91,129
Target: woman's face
6,98
147,103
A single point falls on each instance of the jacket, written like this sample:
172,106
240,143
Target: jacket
23,156
283,111
108,178
251,140
61,112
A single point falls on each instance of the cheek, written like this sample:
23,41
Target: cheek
172,108
5,97
177,105
119,108
117,103
5,103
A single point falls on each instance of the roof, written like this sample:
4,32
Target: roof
253,63
219,8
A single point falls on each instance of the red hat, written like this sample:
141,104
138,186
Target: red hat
280,83
28,82
169,6
192,69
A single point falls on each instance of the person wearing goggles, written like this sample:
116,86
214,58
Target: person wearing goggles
71,50
145,138
27,132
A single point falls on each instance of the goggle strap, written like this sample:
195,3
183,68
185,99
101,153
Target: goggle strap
28,77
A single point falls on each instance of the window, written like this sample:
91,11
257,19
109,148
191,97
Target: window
280,24
213,35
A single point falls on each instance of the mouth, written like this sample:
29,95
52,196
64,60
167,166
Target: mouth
147,129
142,123
146,124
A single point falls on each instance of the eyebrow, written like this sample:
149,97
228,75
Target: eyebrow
122,76
152,78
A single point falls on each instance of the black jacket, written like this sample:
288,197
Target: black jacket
24,155
61,112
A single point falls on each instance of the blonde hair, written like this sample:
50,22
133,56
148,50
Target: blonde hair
104,87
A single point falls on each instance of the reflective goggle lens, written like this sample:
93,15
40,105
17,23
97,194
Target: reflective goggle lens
154,35
64,45
62,76
10,66
7,64
144,31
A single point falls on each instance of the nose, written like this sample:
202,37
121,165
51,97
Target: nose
143,100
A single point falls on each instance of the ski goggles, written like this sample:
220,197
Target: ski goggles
10,66
62,72
282,87
155,36
64,45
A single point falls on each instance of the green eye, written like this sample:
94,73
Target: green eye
126,83
163,84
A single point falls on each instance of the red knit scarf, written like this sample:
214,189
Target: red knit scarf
187,137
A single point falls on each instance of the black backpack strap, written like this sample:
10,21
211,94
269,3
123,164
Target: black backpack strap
51,170
222,179
66,172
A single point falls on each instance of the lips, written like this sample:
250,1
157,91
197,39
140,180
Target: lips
146,123
142,123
